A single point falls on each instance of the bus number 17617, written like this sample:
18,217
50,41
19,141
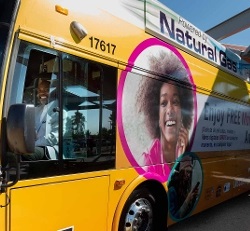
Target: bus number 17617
99,44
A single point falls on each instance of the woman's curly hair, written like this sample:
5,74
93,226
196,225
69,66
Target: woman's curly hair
166,68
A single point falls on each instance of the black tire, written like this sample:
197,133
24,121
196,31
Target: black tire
140,212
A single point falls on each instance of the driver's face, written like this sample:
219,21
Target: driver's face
43,92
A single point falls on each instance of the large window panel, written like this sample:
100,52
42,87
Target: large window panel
89,97
80,116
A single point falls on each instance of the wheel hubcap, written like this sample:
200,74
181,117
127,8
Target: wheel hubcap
139,216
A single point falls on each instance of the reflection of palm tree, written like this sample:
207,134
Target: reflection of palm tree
88,133
68,127
78,121
112,119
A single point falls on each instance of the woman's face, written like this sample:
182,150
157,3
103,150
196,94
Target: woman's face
187,173
169,113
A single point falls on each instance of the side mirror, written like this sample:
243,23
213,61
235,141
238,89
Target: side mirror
21,128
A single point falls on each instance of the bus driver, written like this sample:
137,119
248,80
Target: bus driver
46,122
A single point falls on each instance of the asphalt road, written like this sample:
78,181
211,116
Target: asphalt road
232,215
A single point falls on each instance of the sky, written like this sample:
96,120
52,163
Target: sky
205,14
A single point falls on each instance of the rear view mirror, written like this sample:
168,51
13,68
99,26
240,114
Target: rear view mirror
21,128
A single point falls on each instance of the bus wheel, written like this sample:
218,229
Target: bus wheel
139,212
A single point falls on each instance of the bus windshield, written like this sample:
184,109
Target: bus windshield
6,12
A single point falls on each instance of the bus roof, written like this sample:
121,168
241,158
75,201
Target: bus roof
113,20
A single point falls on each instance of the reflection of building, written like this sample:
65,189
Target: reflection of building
90,99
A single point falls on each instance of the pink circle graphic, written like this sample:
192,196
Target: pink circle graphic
149,172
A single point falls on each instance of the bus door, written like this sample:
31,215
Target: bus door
64,180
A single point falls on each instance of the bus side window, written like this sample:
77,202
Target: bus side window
40,70
91,102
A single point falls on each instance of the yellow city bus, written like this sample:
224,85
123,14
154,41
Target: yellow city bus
151,123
